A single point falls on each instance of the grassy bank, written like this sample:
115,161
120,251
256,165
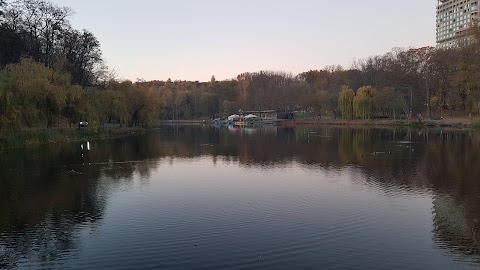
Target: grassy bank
476,124
25,138
457,123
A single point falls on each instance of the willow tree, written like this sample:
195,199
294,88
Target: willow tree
363,103
38,91
345,102
115,108
9,116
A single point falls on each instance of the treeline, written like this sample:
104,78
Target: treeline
41,30
54,75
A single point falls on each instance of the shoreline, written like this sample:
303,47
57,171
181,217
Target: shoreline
34,137
450,123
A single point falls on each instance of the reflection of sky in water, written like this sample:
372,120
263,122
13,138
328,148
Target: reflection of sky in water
338,209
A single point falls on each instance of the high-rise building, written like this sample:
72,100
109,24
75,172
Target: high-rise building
454,18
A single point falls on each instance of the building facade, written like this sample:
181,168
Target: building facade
454,18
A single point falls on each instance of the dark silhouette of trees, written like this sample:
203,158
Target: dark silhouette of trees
84,57
41,30
52,73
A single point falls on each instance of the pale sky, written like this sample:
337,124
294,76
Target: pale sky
195,39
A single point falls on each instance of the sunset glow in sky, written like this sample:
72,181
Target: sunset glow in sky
193,40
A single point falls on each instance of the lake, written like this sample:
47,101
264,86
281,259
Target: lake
197,197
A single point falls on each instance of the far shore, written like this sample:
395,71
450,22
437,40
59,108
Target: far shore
38,136
31,137
449,122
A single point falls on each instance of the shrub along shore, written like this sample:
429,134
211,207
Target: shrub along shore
33,137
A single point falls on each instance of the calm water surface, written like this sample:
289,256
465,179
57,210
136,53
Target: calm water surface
210,198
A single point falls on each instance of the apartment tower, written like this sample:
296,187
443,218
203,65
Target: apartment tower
454,17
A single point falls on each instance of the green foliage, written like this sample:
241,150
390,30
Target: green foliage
363,103
228,107
416,124
388,102
327,102
345,102
8,116
114,106
32,95
137,104
476,125
20,139
39,29
63,79
472,100
37,91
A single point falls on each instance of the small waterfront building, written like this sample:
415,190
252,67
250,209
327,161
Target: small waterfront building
263,115
271,115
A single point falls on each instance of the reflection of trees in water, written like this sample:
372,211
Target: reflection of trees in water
451,165
42,201
442,162
454,228
45,241
49,192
